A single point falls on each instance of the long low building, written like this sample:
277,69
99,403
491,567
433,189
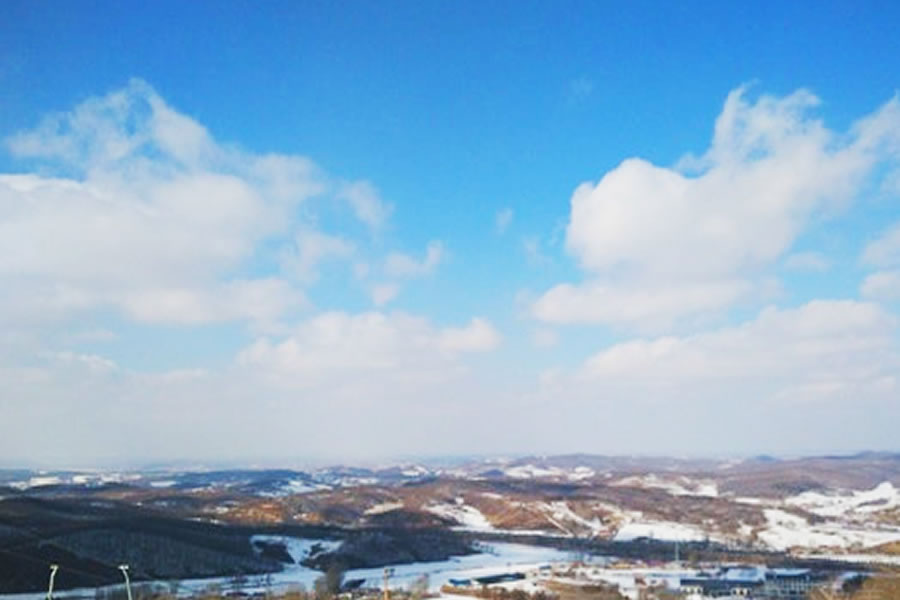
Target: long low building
752,582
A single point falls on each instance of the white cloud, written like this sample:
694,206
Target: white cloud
262,301
640,306
502,220
343,377
154,218
93,335
338,346
531,245
366,203
398,264
775,383
544,338
807,261
100,232
384,293
310,249
478,336
92,362
784,381
884,251
883,285
134,209
770,168
822,345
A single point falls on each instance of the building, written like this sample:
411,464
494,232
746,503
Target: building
756,582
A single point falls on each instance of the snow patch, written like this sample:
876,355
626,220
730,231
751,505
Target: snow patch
384,507
786,530
680,486
468,517
559,513
581,473
530,471
660,530
299,548
848,503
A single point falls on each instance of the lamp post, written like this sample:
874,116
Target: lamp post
388,571
53,570
124,569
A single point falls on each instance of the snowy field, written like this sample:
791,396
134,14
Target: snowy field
494,558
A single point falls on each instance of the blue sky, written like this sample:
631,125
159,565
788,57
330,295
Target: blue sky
296,224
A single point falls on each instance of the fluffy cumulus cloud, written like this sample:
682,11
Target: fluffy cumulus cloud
130,220
658,243
136,207
129,217
151,216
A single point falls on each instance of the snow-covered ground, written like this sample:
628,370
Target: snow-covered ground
493,559
383,507
851,504
660,530
468,517
562,516
580,473
786,530
677,486
294,486
299,548
530,471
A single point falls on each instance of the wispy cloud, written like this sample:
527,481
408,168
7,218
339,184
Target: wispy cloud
398,264
579,90
366,203
502,220
807,261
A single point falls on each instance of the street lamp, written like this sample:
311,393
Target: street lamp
53,570
124,569
388,571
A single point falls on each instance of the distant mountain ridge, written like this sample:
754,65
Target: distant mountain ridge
830,471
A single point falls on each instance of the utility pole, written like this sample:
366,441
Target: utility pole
388,571
124,569
53,570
